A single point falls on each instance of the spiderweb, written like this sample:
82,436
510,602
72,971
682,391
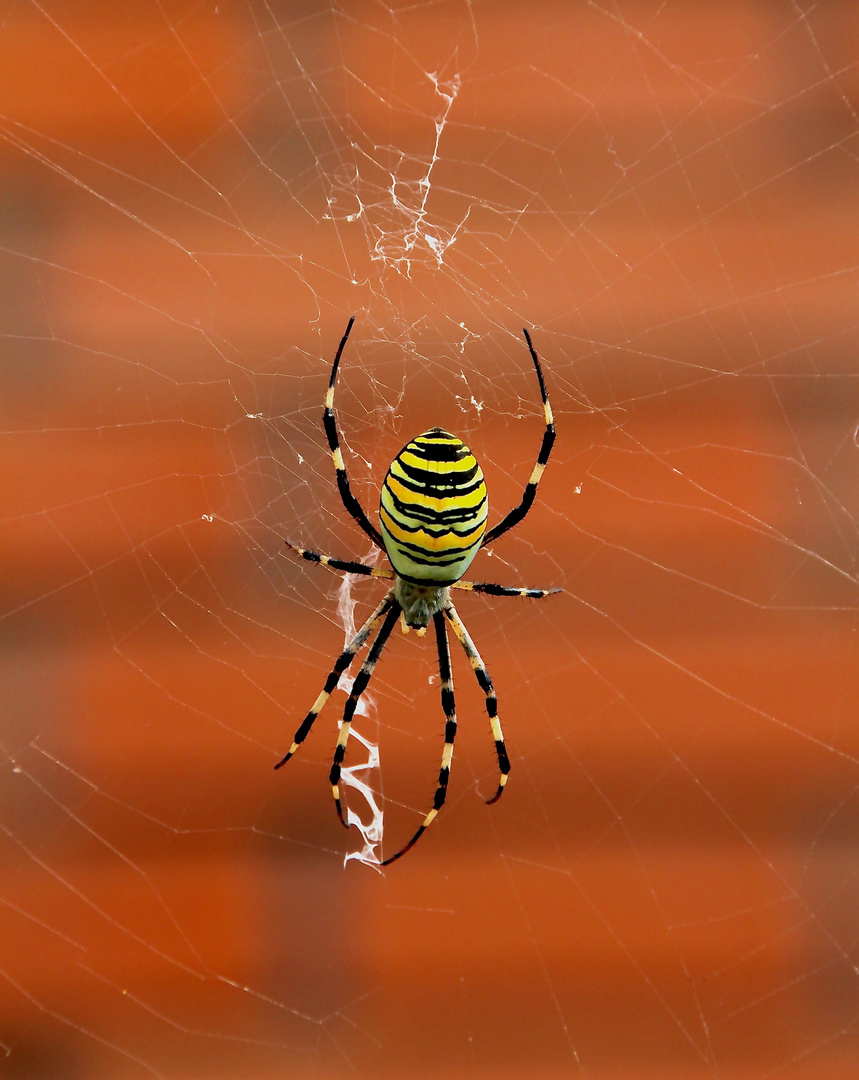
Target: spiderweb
195,198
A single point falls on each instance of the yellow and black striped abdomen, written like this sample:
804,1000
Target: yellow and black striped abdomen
433,509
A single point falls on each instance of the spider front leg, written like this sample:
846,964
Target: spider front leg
349,566
519,512
343,662
502,590
358,688
449,705
329,422
491,701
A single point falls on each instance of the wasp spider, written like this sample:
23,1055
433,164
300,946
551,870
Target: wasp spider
433,519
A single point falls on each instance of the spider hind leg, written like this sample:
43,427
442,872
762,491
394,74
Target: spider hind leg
485,682
342,663
449,705
358,687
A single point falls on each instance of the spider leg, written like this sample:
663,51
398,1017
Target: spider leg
347,565
343,661
501,590
329,422
491,701
449,706
358,688
518,512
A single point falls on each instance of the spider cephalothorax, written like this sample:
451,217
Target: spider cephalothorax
420,602
432,512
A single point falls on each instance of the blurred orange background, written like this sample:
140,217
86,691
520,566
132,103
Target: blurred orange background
194,199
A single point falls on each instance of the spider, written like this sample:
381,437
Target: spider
432,513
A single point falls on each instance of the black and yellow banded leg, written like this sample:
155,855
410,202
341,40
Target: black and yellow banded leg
491,701
343,661
449,706
349,566
519,512
358,688
501,590
329,422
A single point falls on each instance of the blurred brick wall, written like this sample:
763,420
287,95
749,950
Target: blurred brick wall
667,886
